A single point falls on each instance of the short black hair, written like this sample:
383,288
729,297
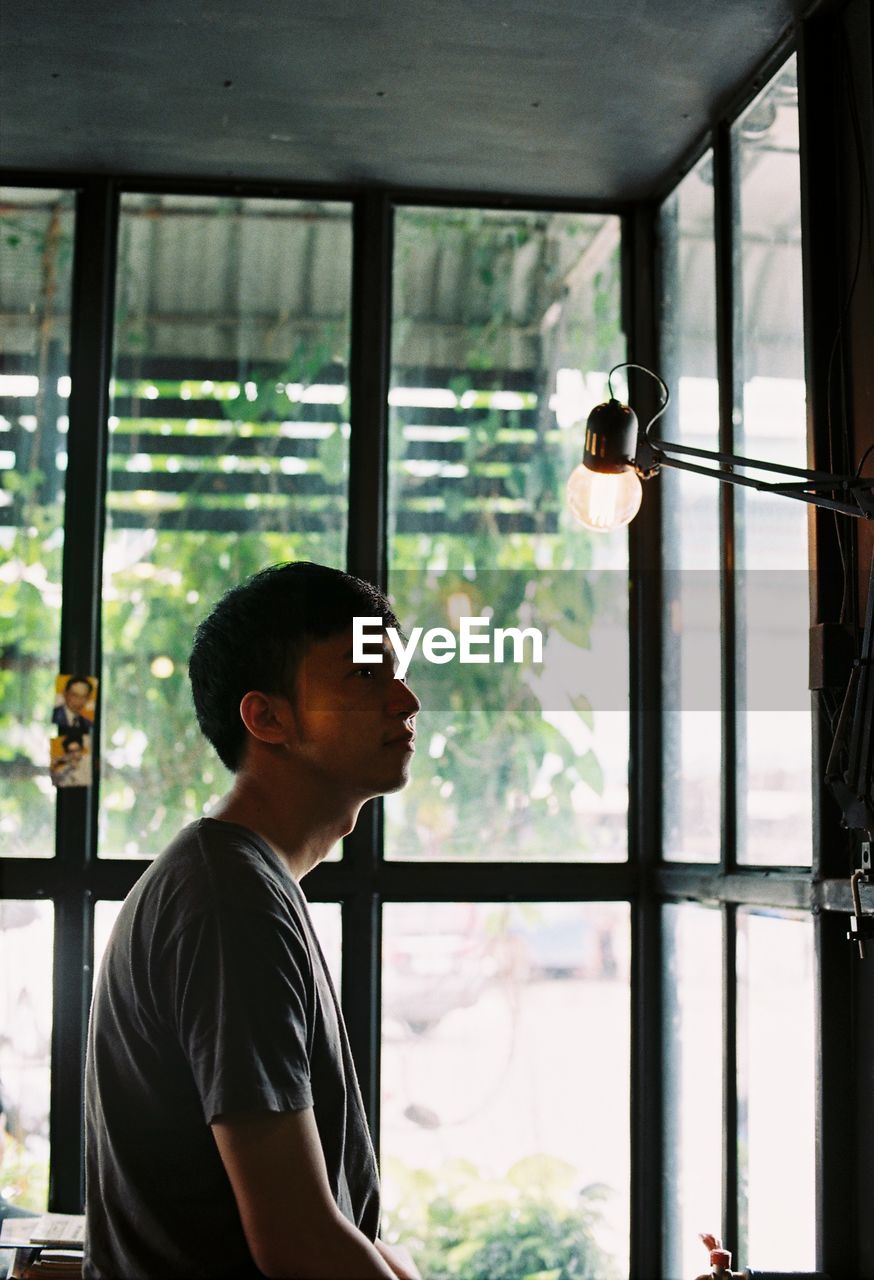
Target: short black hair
256,635
78,680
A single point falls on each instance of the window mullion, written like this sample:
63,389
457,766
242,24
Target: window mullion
85,485
369,363
725,222
76,831
727,256
361,993
71,997
366,556
729,1077
645,777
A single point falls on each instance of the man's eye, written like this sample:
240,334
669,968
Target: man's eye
365,673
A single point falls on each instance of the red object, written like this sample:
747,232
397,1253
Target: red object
720,1259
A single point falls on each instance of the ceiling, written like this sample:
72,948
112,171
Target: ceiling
596,99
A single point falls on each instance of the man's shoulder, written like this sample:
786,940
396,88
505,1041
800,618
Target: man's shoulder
212,869
221,860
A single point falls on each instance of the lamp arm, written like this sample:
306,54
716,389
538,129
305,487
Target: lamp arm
653,454
667,447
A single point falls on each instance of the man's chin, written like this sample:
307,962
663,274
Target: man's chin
396,783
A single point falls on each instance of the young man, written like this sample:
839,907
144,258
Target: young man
225,1129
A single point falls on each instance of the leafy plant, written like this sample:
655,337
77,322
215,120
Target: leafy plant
24,1178
532,1225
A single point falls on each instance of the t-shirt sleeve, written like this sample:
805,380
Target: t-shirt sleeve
242,998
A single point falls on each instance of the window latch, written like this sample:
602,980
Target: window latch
861,927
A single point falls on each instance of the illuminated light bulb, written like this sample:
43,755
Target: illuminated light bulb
603,501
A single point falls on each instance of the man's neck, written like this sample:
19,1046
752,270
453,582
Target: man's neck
299,823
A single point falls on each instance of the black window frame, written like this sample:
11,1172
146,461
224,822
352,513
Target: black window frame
76,878
821,892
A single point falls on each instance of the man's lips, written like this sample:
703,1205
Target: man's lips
402,739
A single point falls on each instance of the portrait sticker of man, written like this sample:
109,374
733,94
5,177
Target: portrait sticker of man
70,762
75,703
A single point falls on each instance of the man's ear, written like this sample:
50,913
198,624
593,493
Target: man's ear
262,714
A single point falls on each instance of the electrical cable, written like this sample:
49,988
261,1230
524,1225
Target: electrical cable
629,364
863,460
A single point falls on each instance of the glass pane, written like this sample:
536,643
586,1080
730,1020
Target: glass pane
776,1112
229,452
504,327
774,724
691,662
692,992
327,922
105,916
505,1086
36,235
26,955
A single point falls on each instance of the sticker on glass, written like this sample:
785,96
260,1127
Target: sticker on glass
70,760
75,703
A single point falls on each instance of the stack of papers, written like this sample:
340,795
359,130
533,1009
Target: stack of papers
46,1245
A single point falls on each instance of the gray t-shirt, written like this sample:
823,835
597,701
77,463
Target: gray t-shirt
213,998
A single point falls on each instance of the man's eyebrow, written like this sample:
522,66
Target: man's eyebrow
349,656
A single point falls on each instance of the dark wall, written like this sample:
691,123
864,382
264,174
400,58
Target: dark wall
838,139
852,415
857,161
857,145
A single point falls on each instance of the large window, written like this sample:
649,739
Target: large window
505,1084
738,984
36,233
229,440
504,328
36,239
693,1140
774,727
692,746
776,1113
26,943
229,432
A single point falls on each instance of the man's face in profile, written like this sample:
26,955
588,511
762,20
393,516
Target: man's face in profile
76,695
355,721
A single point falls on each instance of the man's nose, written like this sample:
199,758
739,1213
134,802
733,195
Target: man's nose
407,704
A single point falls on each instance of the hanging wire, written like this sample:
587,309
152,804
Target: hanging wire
666,395
863,460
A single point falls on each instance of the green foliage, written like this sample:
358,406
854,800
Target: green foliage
495,779
532,1225
29,624
24,1179
159,771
